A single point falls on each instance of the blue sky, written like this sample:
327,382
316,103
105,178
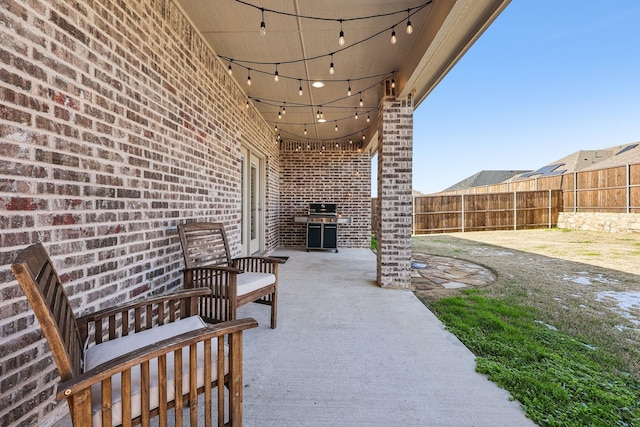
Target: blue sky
548,78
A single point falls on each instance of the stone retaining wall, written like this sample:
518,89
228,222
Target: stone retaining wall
599,221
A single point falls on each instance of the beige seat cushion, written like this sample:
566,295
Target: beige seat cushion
109,350
250,281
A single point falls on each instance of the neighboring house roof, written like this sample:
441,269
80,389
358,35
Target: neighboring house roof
487,177
622,155
588,160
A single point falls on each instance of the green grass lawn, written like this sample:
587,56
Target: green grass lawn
561,380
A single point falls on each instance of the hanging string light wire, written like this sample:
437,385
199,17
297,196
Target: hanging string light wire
410,12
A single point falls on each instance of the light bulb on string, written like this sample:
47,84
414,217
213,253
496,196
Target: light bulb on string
409,26
305,129
336,128
279,114
318,114
247,104
248,76
393,84
331,69
341,40
229,70
361,103
394,39
368,118
276,127
356,114
300,88
349,90
284,108
275,75
263,27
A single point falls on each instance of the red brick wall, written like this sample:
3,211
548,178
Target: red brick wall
340,175
116,123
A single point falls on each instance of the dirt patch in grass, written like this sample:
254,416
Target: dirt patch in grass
586,284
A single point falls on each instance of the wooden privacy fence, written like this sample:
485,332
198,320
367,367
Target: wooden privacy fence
530,203
495,211
615,189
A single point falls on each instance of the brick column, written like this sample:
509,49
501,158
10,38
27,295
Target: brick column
395,148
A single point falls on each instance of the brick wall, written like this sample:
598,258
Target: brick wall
394,201
116,123
325,173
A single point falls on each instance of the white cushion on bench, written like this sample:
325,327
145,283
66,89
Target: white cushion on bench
109,350
250,281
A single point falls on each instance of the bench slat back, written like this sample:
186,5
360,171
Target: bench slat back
204,244
41,284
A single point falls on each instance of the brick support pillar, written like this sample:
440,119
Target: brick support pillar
395,149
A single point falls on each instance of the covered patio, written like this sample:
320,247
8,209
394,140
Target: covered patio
349,353
120,120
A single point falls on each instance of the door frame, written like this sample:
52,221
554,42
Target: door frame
250,157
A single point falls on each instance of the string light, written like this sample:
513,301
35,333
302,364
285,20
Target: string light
341,40
275,75
300,88
276,128
284,108
248,76
409,26
331,69
279,114
229,70
305,129
394,39
247,104
368,118
393,84
349,90
263,27
336,129
361,103
356,114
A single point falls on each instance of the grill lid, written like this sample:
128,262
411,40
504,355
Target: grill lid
323,209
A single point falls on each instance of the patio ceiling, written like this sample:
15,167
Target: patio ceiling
301,41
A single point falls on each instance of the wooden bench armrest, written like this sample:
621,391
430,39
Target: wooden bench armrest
224,269
260,259
174,296
137,357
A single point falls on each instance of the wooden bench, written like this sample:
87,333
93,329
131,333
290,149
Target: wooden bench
233,281
124,365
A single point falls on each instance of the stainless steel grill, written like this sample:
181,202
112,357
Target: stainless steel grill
322,226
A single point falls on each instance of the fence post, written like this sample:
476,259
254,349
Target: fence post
575,192
628,188
550,200
413,215
515,210
462,200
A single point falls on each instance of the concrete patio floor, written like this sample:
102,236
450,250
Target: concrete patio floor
349,353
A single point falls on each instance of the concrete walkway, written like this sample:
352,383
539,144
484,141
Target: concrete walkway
349,353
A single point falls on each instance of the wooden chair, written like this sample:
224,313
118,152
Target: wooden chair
124,365
233,282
